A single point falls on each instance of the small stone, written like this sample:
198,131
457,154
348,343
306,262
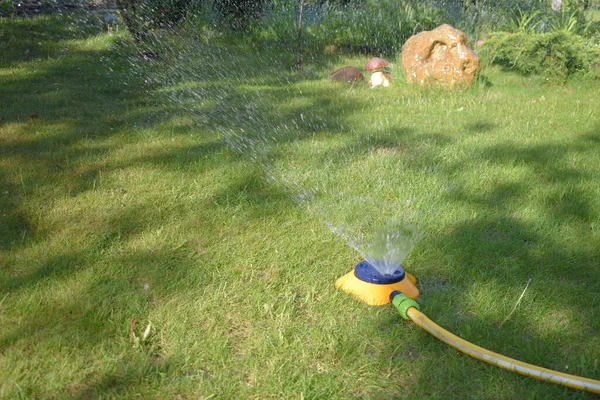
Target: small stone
347,74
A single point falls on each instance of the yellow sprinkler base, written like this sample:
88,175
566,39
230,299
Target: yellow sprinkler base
375,294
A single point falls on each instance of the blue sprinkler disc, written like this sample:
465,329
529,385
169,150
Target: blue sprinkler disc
367,273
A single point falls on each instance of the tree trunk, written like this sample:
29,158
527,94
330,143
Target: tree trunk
299,58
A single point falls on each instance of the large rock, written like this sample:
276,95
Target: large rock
347,74
440,56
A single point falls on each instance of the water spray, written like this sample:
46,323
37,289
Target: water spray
370,286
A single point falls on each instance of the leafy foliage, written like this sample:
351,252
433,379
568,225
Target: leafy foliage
140,16
523,21
6,7
570,19
240,13
524,16
167,12
559,54
376,27
380,27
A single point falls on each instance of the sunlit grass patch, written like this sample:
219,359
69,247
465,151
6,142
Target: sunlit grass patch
195,198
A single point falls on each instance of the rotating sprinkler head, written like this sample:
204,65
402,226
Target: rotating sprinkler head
374,288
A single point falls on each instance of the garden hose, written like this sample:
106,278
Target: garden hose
409,309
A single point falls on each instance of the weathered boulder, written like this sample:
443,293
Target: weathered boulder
347,74
440,56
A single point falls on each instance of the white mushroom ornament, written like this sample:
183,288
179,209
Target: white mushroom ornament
376,65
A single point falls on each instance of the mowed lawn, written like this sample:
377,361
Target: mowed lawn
164,218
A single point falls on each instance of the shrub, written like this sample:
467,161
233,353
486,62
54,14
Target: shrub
279,20
240,13
521,16
379,27
167,12
558,55
6,8
368,26
508,15
139,16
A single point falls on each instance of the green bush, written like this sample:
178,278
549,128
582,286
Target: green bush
379,27
368,26
520,16
6,8
279,21
239,14
557,55
355,29
140,16
167,12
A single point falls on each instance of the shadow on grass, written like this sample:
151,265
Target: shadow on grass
497,255
496,251
39,38
85,110
495,247
481,126
15,226
87,115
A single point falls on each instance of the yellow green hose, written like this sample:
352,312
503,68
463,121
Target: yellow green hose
409,309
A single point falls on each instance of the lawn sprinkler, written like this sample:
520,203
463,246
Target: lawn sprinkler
371,287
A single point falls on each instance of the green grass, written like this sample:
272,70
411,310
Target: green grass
593,15
128,201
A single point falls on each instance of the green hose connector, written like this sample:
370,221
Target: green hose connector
403,303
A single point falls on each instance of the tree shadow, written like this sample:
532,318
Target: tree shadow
228,121
15,226
39,38
496,255
83,109
496,251
480,126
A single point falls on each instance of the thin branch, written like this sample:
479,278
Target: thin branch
518,302
299,57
